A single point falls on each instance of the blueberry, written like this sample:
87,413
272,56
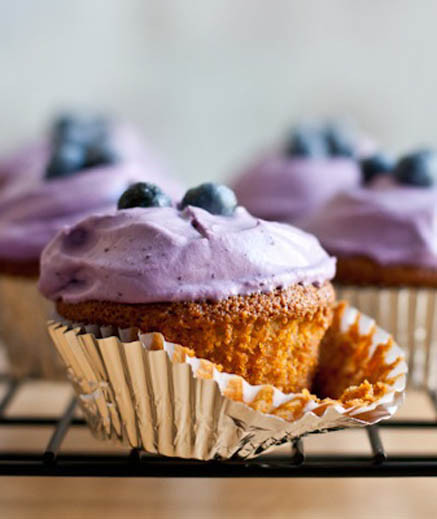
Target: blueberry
68,128
97,130
378,164
66,159
215,198
306,142
339,141
143,194
100,155
417,169
80,129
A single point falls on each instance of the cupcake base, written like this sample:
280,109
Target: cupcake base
266,338
157,396
360,270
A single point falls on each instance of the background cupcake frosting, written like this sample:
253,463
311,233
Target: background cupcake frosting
390,223
33,207
313,164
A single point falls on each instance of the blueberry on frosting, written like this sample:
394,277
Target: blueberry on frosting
79,142
100,154
417,169
143,194
214,198
306,142
67,158
375,165
339,140
83,129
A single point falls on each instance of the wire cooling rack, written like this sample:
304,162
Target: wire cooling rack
52,461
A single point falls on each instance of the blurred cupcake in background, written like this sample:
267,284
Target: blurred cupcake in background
81,168
384,236
294,180
79,141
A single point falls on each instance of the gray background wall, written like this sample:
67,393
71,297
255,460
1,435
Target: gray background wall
212,80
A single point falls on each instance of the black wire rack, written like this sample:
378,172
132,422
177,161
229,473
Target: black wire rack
296,463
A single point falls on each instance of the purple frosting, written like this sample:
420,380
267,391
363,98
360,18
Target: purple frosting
32,209
163,255
387,222
24,167
277,187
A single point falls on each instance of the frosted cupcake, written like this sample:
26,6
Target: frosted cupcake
81,169
292,182
383,232
252,296
384,235
195,331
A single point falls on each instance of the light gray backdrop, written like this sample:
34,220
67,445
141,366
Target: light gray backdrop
212,80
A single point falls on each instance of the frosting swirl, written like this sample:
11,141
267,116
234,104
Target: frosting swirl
164,255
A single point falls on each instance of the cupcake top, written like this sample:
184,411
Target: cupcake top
61,180
392,220
283,188
166,254
291,182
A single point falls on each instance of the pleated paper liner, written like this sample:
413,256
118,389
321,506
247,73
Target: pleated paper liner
157,396
23,329
410,315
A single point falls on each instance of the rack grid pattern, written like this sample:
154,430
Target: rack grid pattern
52,462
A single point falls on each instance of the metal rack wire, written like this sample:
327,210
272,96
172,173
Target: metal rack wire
52,462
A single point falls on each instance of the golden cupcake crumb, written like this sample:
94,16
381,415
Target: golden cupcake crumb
271,338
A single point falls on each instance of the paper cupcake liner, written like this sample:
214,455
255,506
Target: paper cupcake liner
154,395
410,315
23,329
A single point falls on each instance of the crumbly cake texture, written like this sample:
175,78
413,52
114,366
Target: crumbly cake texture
270,338
23,269
360,270
347,374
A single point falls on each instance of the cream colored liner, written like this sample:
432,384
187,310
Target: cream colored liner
150,394
410,315
23,329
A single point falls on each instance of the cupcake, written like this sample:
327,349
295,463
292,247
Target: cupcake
290,183
383,235
194,331
249,295
81,169
79,142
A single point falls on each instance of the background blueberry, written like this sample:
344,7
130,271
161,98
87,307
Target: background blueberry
143,194
100,154
67,158
417,169
215,198
97,130
339,141
306,142
375,165
81,129
80,141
